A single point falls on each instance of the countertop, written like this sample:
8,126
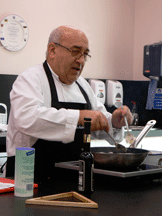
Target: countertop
114,196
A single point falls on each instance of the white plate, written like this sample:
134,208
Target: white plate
13,32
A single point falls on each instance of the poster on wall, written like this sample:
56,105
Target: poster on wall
158,99
13,32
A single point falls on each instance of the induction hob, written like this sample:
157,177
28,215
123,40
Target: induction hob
142,170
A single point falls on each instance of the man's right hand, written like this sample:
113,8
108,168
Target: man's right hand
99,121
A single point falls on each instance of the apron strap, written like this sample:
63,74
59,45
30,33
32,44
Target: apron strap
85,96
54,96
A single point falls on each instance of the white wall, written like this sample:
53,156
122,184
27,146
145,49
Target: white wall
109,25
148,30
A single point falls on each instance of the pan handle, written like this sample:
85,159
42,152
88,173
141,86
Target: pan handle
143,133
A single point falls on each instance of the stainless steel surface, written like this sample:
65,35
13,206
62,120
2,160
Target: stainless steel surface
151,169
135,128
143,133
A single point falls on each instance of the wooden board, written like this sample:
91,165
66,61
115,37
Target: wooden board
69,199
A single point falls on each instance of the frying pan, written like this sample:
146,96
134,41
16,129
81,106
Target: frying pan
111,157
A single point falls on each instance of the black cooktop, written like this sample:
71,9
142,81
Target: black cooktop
142,170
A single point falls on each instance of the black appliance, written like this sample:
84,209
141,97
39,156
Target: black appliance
152,65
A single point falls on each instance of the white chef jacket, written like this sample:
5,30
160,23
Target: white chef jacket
32,117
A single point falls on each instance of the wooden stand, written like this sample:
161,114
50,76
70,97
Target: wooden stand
69,199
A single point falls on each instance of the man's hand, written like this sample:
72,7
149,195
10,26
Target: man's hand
118,117
99,121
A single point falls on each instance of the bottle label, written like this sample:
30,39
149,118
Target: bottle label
87,138
82,177
24,172
92,179
81,186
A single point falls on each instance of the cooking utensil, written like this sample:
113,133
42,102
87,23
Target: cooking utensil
111,158
129,138
110,139
143,133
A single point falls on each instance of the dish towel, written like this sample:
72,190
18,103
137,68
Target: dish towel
151,92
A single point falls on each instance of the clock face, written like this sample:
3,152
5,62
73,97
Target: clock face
13,32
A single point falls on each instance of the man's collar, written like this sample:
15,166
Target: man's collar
56,76
53,73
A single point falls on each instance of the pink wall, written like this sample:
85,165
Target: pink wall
148,30
109,25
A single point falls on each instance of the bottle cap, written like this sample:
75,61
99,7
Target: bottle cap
87,119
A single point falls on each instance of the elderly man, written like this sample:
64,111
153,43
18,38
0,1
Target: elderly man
50,101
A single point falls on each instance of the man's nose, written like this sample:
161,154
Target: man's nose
81,59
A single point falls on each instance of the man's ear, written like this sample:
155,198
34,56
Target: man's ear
51,49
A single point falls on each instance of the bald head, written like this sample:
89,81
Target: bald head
63,33
67,52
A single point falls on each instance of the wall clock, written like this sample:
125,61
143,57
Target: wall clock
13,32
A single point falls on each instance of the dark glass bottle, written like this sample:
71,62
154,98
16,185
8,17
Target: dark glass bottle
86,161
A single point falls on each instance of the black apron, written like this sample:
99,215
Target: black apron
47,153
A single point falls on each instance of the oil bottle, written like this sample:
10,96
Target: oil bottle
86,161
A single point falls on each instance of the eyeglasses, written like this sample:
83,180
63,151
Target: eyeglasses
76,53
